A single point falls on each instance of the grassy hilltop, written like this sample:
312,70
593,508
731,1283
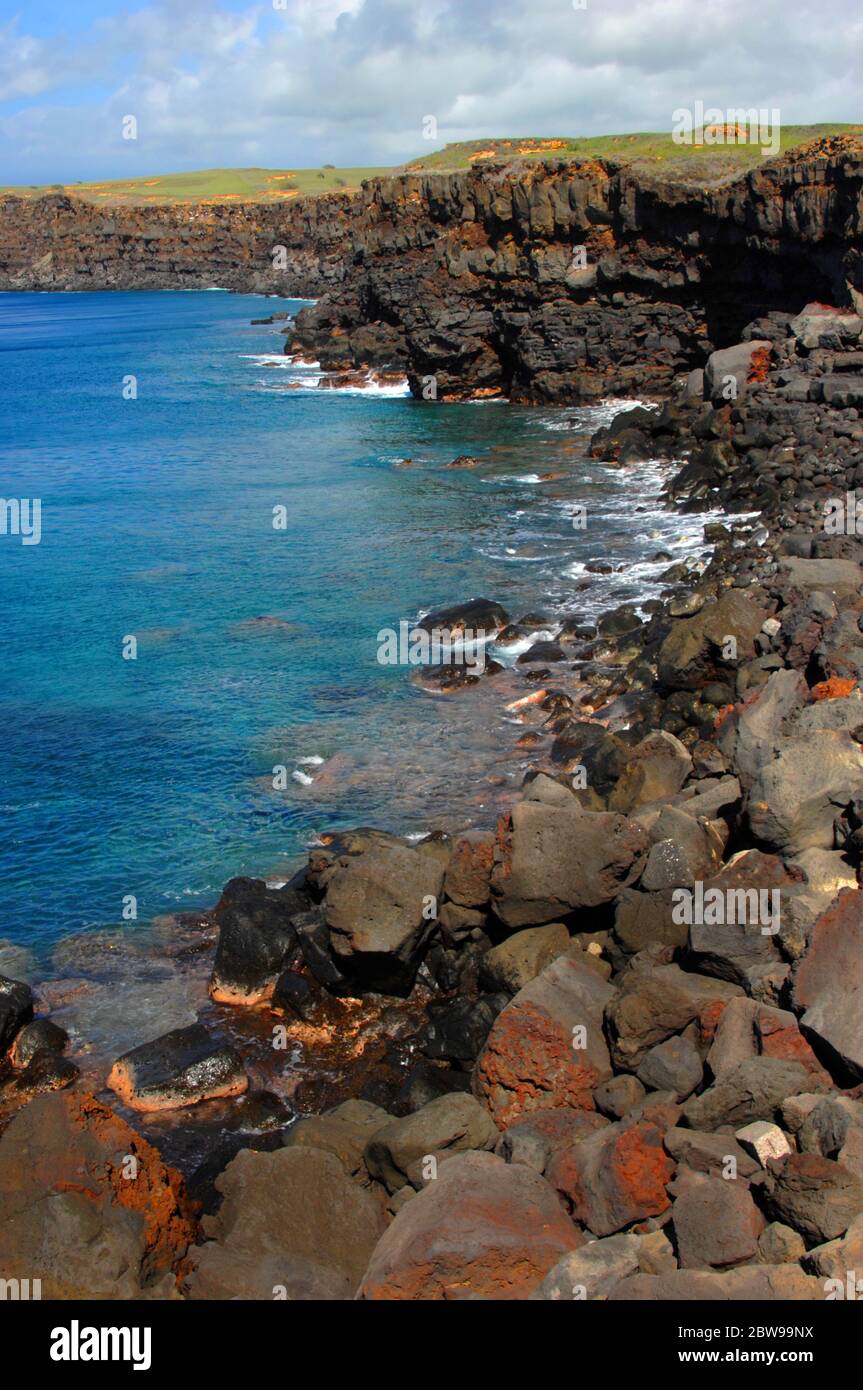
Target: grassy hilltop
704,162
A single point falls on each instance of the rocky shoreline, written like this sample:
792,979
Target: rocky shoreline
609,1048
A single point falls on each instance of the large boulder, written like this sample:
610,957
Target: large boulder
614,1177
716,1223
795,799
828,985
482,1229
395,1154
645,919
345,1130
674,1065
730,371
87,1206
524,955
652,1004
181,1068
292,1224
256,939
754,729
753,1090
656,770
476,615
380,908
697,650
814,1195
547,1049
592,1271
559,858
739,939
822,325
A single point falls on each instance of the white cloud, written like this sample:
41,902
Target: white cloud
349,81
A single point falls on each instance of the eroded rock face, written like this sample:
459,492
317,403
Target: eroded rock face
483,1228
292,1224
87,1206
534,1058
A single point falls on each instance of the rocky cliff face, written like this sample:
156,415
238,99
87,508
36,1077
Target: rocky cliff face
564,281
574,281
60,243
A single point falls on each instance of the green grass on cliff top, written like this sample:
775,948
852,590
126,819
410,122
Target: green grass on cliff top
658,151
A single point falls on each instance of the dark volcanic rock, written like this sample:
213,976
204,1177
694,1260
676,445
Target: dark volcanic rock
16,1008
178,1069
256,939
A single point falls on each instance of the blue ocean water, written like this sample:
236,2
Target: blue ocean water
154,777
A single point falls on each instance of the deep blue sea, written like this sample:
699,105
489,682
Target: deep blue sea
154,777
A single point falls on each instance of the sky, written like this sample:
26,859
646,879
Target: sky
298,83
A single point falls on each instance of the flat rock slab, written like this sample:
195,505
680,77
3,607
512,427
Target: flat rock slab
533,1058
181,1068
483,1228
832,576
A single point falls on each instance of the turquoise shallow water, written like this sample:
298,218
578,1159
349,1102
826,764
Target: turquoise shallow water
153,777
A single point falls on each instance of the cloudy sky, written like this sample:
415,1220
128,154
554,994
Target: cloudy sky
285,83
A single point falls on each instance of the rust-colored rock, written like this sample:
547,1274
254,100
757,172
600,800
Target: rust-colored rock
615,1177
87,1205
533,1058
836,688
482,1229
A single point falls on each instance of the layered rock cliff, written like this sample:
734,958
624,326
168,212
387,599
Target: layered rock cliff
61,243
558,281
574,281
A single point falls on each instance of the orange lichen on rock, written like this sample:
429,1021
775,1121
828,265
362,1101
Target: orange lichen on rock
836,688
